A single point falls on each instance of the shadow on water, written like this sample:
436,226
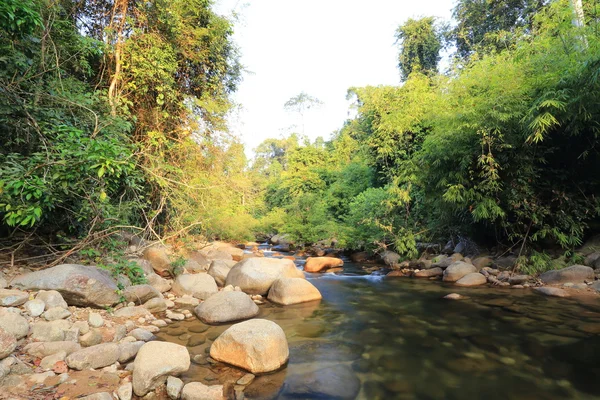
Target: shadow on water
377,338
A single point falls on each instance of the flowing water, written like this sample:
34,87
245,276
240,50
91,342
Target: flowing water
396,338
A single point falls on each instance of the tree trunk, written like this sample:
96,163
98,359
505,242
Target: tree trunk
117,25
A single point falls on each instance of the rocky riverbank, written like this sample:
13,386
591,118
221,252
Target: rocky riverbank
70,332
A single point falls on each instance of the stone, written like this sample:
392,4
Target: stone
52,331
257,346
201,260
48,362
518,279
574,273
98,396
174,387
8,343
246,379
41,349
219,269
187,300
14,324
472,279
454,296
159,283
390,258
428,273
56,313
201,286
200,391
12,298
141,334
128,351
288,291
79,285
35,308
552,291
132,312
155,362
158,257
482,262
593,260
98,356
51,298
318,264
336,382
95,320
156,305
125,391
140,294
226,307
457,270
92,338
256,275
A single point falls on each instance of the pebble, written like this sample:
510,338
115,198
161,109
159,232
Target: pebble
95,320
35,308
160,323
174,387
453,296
125,391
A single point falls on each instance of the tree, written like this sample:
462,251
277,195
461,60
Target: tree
483,24
420,44
301,103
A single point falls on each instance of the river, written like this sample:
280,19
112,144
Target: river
373,337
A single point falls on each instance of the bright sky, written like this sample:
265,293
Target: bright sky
321,47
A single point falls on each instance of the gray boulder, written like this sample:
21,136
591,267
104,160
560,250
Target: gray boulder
256,275
14,324
552,291
390,258
79,285
219,269
12,298
472,279
574,274
155,361
51,298
201,286
101,355
8,343
53,331
457,270
428,273
226,307
139,294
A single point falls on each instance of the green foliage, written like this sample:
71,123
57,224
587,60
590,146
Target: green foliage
535,264
420,44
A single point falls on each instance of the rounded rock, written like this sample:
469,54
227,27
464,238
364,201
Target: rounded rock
288,291
226,307
154,362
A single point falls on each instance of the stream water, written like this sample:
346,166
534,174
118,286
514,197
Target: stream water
396,338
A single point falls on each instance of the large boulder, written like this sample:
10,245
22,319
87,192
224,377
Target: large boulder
256,275
390,258
318,264
335,382
159,283
457,270
257,346
472,279
288,291
226,307
201,286
79,285
158,256
154,362
12,298
98,356
219,269
574,274
13,324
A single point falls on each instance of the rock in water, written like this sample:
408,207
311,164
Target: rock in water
428,273
155,362
257,346
390,258
337,382
457,270
201,286
79,285
226,307
199,391
288,291
472,279
552,291
256,275
219,269
318,264
574,274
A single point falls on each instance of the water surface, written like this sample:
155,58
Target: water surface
400,340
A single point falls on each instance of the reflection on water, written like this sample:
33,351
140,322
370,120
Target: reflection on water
376,338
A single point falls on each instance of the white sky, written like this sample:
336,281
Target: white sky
321,47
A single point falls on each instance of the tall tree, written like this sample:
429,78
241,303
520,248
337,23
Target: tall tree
484,24
301,103
420,45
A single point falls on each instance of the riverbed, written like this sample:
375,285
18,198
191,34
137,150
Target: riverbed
372,337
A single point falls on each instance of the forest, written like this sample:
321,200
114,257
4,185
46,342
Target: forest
113,117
